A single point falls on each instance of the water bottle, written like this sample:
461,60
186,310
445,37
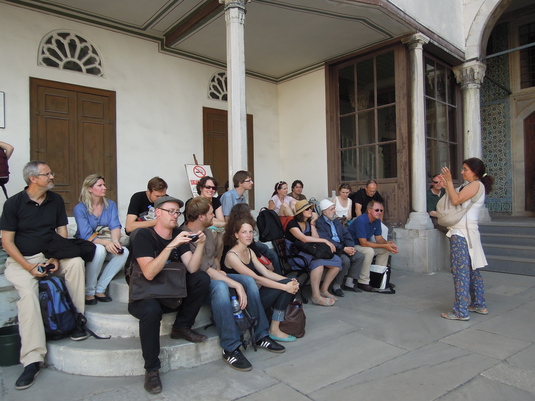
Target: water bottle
238,316
151,215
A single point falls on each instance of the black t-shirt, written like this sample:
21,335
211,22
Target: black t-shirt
362,197
139,203
33,223
150,244
293,223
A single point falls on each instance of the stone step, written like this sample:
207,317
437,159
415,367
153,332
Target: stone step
511,265
113,319
122,356
509,239
504,250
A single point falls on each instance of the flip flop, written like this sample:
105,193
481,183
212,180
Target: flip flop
322,301
288,339
328,295
451,316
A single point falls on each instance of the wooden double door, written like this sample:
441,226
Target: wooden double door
73,129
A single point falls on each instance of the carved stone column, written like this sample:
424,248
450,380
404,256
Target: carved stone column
237,107
470,75
419,218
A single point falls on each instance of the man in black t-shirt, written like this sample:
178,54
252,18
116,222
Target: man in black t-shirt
139,214
153,250
363,196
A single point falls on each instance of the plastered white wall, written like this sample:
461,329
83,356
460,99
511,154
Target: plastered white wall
303,144
159,104
445,18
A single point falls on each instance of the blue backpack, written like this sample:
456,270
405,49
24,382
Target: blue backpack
60,316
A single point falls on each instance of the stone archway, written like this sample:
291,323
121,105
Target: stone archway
481,26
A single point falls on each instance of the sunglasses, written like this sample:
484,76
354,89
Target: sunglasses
436,182
210,187
378,210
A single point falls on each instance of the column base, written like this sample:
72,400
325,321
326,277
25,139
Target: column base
421,251
419,221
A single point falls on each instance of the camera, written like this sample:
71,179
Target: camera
120,251
194,237
45,268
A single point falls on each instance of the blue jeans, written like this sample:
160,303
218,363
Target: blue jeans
270,254
95,268
229,336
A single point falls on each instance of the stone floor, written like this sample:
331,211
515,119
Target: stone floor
368,347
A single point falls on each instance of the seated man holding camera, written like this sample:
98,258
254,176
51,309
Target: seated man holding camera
153,249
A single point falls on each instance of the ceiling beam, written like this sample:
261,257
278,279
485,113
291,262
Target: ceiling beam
192,21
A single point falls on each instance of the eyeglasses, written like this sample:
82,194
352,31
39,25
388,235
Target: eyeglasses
49,174
436,182
172,212
248,180
378,210
210,187
311,208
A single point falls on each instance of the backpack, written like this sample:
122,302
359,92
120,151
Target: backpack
269,225
316,204
59,314
247,324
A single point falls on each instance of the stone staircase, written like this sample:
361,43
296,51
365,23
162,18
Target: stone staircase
121,355
509,245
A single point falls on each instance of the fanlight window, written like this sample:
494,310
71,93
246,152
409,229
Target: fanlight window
218,87
68,51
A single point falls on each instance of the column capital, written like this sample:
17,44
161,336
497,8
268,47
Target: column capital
240,4
415,41
470,74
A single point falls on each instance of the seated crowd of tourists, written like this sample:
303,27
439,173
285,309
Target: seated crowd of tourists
212,258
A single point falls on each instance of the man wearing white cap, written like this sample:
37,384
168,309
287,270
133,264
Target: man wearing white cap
331,229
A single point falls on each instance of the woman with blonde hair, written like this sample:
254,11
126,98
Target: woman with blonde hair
95,211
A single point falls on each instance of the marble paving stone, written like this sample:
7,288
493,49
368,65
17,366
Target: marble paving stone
524,359
415,331
420,384
486,343
334,361
481,388
506,289
522,378
410,302
276,392
517,323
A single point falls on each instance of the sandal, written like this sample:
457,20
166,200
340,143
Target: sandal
326,294
322,301
477,309
451,316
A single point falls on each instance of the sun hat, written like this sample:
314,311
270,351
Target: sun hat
301,206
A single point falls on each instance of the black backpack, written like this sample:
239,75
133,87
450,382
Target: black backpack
59,314
269,225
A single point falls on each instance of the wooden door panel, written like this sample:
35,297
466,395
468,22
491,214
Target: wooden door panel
215,143
73,129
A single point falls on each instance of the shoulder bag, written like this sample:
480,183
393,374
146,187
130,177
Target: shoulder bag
294,319
318,250
449,215
169,285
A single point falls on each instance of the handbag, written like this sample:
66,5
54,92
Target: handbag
294,319
169,285
318,250
449,215
380,279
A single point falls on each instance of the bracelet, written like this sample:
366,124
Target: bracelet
34,267
170,247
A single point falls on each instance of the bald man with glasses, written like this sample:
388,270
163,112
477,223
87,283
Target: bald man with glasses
362,230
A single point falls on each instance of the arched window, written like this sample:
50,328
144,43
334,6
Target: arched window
217,89
69,51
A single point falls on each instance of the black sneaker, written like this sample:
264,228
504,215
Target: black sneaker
271,345
27,378
237,360
79,334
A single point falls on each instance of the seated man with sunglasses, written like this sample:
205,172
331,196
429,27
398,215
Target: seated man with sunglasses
362,229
